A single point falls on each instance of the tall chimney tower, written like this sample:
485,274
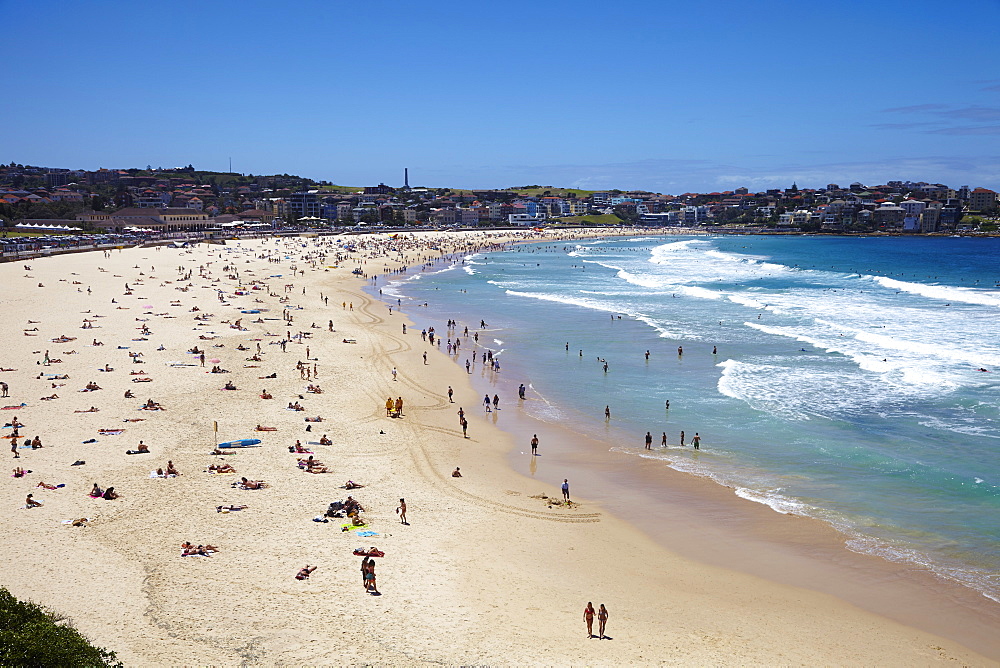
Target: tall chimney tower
406,177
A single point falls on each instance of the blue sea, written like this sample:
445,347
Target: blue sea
853,380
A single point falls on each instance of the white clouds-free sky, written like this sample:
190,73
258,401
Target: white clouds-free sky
666,96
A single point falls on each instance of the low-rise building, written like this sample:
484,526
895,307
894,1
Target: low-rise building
982,199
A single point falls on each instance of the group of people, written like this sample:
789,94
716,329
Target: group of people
394,408
695,442
602,619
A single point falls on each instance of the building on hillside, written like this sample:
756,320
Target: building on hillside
305,204
889,215
257,216
913,207
158,220
931,217
525,219
982,199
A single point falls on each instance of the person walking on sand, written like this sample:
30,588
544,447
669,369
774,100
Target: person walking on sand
649,441
602,620
402,511
465,427
388,407
13,448
451,392
399,406
588,617
565,489
487,404
4,388
534,445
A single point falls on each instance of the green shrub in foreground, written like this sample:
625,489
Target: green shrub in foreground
30,636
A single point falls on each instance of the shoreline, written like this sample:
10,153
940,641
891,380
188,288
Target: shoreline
479,554
698,517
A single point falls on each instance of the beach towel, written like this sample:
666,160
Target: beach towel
369,533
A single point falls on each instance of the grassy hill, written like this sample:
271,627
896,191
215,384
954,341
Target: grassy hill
602,219
551,191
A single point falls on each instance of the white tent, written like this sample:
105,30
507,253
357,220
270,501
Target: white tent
44,227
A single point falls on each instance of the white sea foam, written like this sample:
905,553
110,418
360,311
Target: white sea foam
944,293
608,306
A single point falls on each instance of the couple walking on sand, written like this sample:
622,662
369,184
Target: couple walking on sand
602,620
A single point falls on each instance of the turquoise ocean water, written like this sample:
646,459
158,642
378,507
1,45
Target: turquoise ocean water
846,385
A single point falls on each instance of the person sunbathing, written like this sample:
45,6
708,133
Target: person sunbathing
129,395
350,484
151,405
36,443
221,468
96,492
298,448
92,387
229,385
45,485
252,484
110,494
230,508
171,470
370,552
255,358
314,389
49,398
31,503
273,375
199,551
295,407
92,409
264,394
325,441
260,428
304,573
19,472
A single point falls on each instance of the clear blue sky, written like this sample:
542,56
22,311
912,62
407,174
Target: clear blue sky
666,96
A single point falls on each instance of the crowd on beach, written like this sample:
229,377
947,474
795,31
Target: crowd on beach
264,342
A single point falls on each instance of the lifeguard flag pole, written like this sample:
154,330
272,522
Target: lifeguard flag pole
215,429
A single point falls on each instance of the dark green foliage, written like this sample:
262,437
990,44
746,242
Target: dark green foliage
31,636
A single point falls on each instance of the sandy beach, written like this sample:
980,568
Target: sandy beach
486,571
